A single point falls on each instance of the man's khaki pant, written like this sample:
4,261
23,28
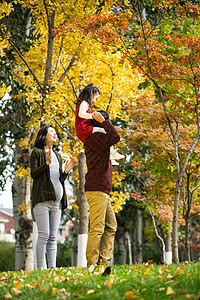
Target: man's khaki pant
103,226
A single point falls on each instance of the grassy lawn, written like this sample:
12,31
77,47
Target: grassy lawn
140,281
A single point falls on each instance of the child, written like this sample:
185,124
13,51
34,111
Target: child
84,115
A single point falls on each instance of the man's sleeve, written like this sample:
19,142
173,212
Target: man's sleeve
111,137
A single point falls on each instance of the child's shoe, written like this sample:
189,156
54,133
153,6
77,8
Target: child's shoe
114,154
114,163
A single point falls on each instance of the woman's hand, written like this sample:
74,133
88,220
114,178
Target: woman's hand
69,165
48,155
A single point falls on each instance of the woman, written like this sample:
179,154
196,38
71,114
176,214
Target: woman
48,193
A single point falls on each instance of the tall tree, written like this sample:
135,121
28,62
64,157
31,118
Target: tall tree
166,51
57,66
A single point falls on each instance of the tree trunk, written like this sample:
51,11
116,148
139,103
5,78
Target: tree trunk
175,257
83,213
74,257
124,245
22,219
138,257
187,238
168,253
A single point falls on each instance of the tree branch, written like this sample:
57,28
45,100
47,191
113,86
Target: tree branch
24,60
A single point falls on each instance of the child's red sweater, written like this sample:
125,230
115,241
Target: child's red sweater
83,127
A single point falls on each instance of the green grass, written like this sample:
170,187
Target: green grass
140,281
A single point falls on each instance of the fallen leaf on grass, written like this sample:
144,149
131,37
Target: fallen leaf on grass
129,295
179,270
137,271
81,290
108,284
55,290
90,292
7,296
169,291
57,279
16,291
91,268
147,272
44,289
137,281
161,289
17,285
188,296
29,286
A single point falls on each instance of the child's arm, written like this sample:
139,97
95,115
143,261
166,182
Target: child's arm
83,114
83,111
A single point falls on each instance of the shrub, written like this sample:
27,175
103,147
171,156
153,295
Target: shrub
7,255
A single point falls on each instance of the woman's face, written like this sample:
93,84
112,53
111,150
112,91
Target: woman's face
95,97
51,136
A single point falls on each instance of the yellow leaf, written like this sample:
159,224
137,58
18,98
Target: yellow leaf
17,285
54,290
90,292
169,291
57,279
108,284
91,268
29,286
147,272
7,296
16,291
129,294
179,270
43,289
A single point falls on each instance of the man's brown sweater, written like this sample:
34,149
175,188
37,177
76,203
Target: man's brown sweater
99,166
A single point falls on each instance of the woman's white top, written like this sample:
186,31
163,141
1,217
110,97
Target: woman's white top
83,114
55,175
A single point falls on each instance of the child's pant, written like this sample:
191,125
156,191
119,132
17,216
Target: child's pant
103,226
47,216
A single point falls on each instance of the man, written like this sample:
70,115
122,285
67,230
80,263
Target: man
98,185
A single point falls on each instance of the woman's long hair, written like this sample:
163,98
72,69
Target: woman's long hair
87,93
40,140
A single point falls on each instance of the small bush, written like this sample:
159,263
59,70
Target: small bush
7,255
64,252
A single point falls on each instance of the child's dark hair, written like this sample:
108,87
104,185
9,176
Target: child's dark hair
87,93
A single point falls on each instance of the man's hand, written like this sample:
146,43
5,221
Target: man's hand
98,117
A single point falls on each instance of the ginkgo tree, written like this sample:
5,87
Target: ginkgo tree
166,50
57,65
